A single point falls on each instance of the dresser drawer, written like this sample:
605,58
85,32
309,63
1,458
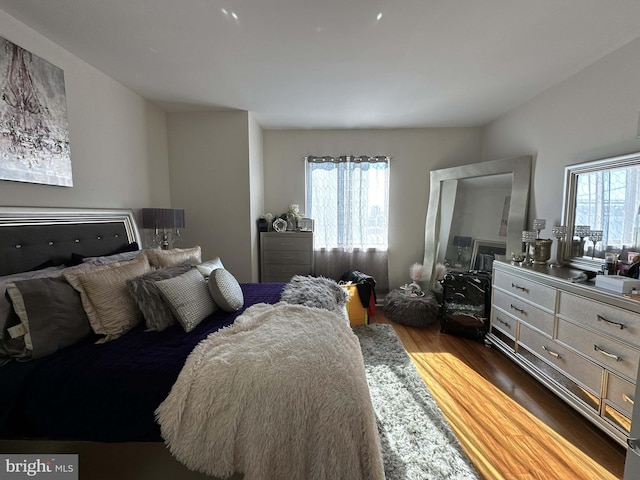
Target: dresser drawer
616,356
620,393
524,311
283,273
503,322
536,293
287,257
613,321
287,242
571,364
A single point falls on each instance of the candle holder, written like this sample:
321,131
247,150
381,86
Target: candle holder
559,232
595,236
581,231
539,224
528,237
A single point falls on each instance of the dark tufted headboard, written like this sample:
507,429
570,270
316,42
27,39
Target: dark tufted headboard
30,236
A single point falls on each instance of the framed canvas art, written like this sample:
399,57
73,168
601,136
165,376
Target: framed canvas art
34,131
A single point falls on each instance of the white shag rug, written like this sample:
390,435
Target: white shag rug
416,440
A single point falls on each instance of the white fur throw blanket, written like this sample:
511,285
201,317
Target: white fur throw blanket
280,394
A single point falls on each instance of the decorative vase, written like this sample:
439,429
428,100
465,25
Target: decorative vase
541,251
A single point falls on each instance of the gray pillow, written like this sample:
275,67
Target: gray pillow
8,318
317,292
157,314
188,297
225,290
51,315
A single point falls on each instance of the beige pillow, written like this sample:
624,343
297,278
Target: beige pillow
168,258
111,310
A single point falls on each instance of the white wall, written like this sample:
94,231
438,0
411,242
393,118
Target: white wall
118,140
414,151
256,190
209,169
593,114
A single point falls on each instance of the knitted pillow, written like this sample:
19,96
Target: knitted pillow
188,297
225,290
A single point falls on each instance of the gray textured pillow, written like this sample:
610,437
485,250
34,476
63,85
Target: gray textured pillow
318,292
156,312
225,290
51,315
188,297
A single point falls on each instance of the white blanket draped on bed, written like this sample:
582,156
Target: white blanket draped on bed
280,394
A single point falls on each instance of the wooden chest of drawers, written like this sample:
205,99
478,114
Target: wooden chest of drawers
580,341
285,254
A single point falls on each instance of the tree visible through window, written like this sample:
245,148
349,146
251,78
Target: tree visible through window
348,198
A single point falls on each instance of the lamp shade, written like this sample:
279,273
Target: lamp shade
162,218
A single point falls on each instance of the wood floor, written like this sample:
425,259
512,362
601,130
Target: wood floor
510,425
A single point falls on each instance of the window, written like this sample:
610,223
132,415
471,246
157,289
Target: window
348,198
609,200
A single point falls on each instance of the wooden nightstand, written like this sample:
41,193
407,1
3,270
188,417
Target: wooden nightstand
283,255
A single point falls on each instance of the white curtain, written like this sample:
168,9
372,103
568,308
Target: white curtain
348,198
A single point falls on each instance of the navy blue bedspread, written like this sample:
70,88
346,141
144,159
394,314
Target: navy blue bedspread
106,392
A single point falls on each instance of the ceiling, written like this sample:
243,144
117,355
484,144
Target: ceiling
338,63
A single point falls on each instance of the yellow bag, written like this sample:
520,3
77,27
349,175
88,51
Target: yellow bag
358,314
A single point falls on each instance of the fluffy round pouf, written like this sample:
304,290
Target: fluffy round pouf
412,311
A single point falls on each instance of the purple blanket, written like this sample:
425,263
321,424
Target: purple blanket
106,392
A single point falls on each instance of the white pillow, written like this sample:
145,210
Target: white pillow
188,298
206,268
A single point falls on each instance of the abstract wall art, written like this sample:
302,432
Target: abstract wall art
34,130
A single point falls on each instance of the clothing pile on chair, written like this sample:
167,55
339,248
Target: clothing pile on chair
365,284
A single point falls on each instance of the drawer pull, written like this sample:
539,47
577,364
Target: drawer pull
607,354
518,287
519,310
506,324
627,398
551,352
611,322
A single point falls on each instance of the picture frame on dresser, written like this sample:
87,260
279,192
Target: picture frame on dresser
484,252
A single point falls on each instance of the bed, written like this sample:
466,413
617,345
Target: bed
117,384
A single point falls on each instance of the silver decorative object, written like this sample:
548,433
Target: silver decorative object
581,231
541,251
559,232
528,237
539,224
595,236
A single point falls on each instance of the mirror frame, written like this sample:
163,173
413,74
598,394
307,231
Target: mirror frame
571,173
518,167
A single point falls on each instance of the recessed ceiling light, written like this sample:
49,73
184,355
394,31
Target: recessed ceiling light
379,17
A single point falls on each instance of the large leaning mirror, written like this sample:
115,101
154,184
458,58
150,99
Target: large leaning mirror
475,212
602,211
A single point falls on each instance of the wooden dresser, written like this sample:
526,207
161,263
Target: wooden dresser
580,341
285,254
